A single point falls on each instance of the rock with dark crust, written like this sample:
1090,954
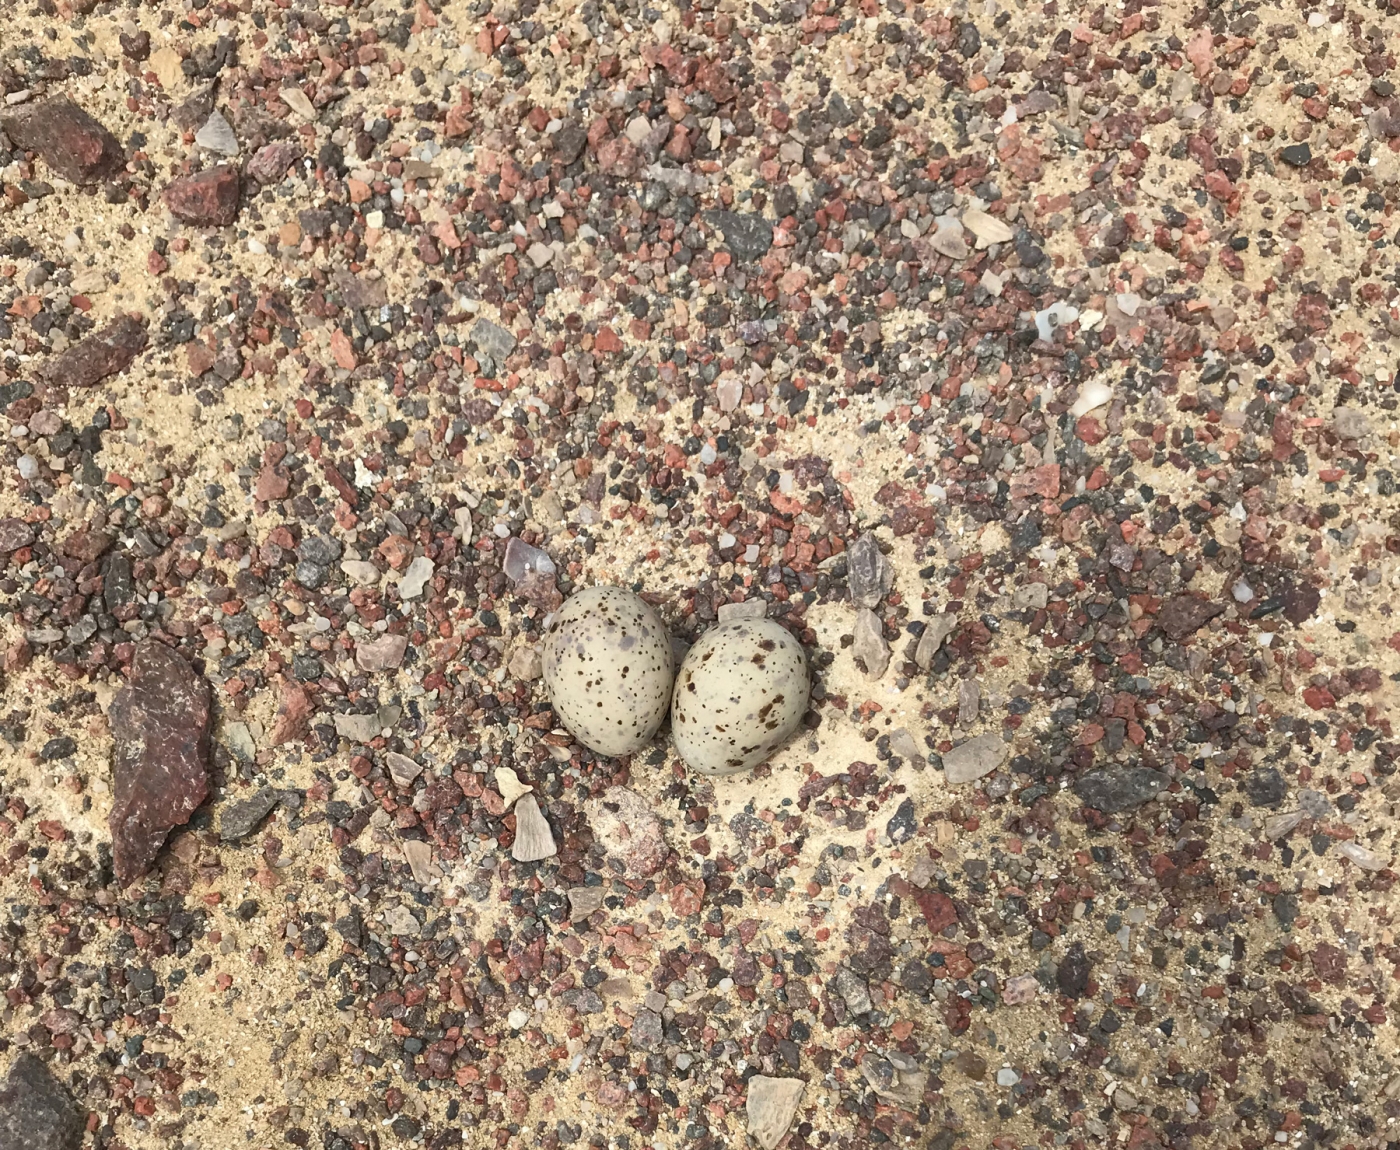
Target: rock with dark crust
99,356
67,139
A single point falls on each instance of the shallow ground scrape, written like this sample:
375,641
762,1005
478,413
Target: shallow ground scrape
1087,316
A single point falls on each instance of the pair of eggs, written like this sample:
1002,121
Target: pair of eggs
741,690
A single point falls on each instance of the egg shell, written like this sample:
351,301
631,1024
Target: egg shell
608,669
741,692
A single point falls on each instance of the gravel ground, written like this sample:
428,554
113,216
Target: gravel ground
1033,364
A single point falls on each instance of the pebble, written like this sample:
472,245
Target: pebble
67,138
770,1108
415,578
160,769
216,135
99,356
868,573
935,631
533,838
1120,789
870,646
973,759
209,199
629,830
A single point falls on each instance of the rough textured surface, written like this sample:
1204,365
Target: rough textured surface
160,756
209,198
740,694
607,666
67,138
694,300
99,356
37,1112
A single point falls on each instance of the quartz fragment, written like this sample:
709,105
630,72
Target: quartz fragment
382,654
402,769
160,731
533,838
935,631
630,830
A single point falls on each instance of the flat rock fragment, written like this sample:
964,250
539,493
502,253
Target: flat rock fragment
975,758
1112,790
935,631
870,646
771,1105
868,573
160,774
533,838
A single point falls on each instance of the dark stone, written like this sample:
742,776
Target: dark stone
869,574
569,142
1072,975
102,354
1299,603
66,138
1117,790
207,199
1265,787
915,978
160,773
118,588
748,235
351,927
1285,907
14,534
241,819
901,828
1182,616
1297,155
61,747
36,1110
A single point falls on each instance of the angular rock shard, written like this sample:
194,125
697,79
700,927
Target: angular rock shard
102,354
160,774
1111,791
771,1105
36,1110
974,758
870,647
1182,616
207,199
868,573
533,838
937,629
629,828
66,138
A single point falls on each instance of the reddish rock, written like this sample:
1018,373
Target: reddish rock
66,138
14,534
619,157
87,546
293,715
1183,615
160,773
270,164
100,355
210,198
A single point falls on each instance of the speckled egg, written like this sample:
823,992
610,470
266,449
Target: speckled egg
741,691
608,669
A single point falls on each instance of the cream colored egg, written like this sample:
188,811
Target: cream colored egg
608,669
741,692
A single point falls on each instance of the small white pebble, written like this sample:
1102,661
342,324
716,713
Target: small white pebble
28,467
